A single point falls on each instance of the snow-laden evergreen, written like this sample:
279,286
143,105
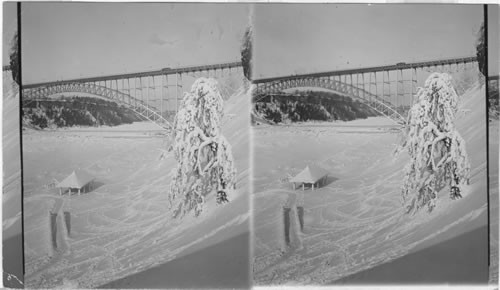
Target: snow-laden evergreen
204,159
438,157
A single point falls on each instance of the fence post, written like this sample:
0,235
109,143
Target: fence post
53,229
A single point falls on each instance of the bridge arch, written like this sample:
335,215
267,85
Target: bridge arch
137,106
373,101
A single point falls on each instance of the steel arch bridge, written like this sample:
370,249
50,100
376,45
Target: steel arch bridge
374,86
138,106
383,107
136,91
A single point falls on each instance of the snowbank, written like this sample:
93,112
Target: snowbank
357,221
124,226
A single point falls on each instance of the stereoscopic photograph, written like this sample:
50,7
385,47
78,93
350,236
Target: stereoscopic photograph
369,132
240,145
134,145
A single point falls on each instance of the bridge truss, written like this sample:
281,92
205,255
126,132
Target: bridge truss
148,94
383,107
389,90
138,106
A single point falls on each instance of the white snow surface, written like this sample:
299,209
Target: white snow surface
357,220
124,226
11,197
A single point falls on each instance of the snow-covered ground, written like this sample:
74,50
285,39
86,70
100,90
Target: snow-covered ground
494,201
11,158
125,225
11,191
357,220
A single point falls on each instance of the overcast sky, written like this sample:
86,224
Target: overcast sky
493,40
9,28
71,40
310,38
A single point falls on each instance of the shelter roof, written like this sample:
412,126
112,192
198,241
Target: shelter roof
77,179
310,174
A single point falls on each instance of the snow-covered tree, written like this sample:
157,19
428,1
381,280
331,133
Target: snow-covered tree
438,157
481,50
246,53
205,162
14,59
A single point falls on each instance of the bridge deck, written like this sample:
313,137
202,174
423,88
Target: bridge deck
400,66
165,71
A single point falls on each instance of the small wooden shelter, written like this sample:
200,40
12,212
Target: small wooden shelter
312,174
78,180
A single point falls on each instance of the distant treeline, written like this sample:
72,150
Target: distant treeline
310,105
75,111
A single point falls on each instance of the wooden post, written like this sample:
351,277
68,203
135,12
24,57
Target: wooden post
312,184
79,191
53,229
303,186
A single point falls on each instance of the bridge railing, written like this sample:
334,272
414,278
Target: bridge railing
399,66
153,73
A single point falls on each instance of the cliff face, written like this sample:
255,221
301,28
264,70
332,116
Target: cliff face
75,111
321,106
